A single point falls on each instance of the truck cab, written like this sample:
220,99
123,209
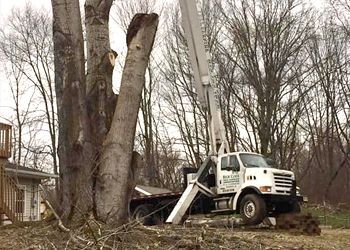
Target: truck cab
241,169
248,184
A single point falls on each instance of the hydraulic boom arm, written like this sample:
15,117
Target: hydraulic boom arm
206,95
199,61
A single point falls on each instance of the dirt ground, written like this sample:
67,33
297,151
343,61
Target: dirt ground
47,236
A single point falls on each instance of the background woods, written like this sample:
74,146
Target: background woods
281,68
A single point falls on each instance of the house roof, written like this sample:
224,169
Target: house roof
149,190
21,171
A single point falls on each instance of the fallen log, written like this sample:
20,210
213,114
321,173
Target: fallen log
222,222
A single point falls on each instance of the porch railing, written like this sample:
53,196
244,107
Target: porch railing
11,197
5,140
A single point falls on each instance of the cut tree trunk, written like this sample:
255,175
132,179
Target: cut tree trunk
74,148
115,179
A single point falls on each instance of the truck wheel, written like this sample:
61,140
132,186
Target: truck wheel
252,209
141,214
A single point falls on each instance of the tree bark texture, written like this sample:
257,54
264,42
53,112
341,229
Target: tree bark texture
100,64
101,101
115,179
74,137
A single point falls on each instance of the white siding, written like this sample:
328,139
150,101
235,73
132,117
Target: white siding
32,199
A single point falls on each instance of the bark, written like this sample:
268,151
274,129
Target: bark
100,64
115,179
101,101
74,138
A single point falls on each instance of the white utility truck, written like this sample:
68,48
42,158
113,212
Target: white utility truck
236,181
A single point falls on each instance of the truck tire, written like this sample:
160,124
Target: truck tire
252,209
141,214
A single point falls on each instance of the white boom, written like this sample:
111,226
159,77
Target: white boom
206,94
199,61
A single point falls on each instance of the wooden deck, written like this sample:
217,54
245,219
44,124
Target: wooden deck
11,197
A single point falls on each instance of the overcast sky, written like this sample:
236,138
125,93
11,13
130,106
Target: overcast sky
7,5
117,43
5,10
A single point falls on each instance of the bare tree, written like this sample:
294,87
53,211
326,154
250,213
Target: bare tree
75,149
327,113
179,101
21,96
26,44
341,9
264,43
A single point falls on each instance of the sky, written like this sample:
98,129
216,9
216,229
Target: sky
117,38
5,10
117,43
7,5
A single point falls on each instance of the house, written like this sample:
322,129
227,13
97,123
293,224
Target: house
19,186
28,181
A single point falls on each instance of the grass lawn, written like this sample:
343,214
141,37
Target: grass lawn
335,218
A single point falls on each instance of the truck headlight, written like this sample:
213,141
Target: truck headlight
265,189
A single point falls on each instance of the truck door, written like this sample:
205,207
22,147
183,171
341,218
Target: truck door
229,175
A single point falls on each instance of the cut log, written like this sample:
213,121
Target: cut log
115,179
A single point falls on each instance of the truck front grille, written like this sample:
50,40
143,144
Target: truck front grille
283,183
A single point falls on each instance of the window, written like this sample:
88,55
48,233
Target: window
20,201
254,161
224,162
231,165
234,164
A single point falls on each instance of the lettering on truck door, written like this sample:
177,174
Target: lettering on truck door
229,177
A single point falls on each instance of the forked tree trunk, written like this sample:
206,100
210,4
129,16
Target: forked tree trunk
115,179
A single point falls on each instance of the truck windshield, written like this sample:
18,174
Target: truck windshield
254,161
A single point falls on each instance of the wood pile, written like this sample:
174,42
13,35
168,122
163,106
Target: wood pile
299,223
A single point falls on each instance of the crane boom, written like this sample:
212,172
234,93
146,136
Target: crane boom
204,88
199,61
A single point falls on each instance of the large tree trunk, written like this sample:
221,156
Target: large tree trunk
115,180
101,101
74,137
100,64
